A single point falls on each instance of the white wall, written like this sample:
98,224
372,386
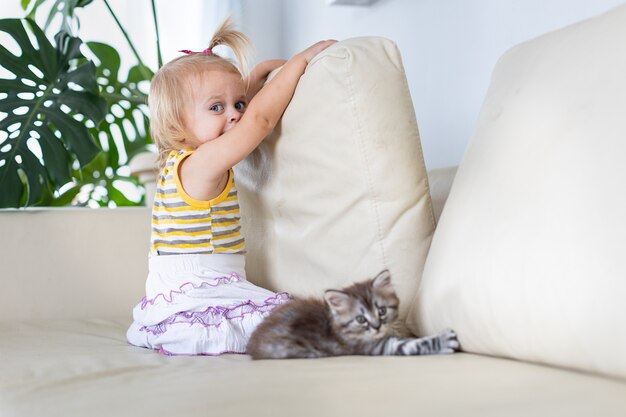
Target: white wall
449,48
261,20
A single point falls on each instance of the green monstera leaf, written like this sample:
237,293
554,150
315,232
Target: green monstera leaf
46,108
100,186
124,132
64,8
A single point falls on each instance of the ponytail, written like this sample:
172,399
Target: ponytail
237,41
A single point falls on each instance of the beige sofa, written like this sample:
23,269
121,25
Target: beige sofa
72,276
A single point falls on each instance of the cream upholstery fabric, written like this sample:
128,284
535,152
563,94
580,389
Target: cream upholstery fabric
339,192
72,262
528,258
440,181
80,368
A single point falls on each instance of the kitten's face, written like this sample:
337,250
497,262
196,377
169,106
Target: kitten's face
364,311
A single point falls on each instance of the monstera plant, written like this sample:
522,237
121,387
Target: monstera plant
68,124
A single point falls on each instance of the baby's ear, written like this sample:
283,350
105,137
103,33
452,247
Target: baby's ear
382,280
339,302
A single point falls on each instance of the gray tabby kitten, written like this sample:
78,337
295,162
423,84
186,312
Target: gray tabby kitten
356,320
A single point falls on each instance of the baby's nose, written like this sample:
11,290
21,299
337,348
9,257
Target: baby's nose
234,116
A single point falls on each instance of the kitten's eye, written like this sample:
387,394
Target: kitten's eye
360,319
216,107
382,311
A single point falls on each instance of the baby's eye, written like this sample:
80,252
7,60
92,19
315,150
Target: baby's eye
382,311
360,319
240,105
216,107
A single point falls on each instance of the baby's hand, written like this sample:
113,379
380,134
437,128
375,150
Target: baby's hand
315,49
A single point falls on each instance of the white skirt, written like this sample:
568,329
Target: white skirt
199,305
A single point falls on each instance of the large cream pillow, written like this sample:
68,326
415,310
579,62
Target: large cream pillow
529,257
339,192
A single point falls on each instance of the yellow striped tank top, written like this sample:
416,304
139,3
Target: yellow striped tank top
184,225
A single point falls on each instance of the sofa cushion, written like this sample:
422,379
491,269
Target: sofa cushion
528,257
339,191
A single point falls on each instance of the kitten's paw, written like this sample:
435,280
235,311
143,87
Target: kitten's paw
449,341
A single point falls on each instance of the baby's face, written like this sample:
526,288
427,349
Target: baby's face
218,102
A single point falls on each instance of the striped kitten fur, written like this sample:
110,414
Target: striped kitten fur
355,320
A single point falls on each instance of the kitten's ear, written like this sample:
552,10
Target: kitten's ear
382,280
339,302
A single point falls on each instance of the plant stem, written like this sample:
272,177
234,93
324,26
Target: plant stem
156,30
142,67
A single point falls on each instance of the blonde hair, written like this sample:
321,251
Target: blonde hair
171,86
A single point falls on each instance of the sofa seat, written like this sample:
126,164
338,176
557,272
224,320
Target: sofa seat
85,367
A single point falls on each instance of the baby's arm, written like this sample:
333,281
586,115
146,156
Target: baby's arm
213,158
259,74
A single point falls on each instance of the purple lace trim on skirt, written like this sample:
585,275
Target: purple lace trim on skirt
187,287
215,316
228,352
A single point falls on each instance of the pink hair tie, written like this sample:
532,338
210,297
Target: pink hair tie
207,51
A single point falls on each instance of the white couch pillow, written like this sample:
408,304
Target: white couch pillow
529,257
339,191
